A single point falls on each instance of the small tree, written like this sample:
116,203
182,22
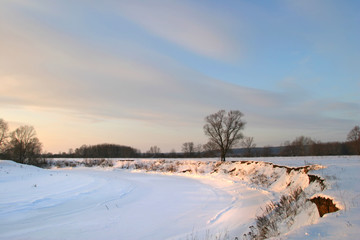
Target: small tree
188,149
223,130
353,138
154,151
248,144
24,146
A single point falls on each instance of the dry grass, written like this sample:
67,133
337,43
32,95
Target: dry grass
267,224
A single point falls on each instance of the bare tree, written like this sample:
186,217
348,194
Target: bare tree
301,146
3,134
154,151
24,146
210,149
188,149
353,138
223,130
248,144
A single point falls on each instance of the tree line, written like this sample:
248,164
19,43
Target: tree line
224,130
104,150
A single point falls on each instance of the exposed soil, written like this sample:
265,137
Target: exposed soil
324,205
314,178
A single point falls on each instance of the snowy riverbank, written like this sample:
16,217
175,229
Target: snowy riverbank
177,199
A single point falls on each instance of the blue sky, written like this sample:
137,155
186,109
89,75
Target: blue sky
144,73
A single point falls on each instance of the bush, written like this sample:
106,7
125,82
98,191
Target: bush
98,162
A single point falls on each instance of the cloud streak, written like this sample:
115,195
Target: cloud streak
60,72
186,24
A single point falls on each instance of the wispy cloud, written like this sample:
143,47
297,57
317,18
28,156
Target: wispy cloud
54,70
190,25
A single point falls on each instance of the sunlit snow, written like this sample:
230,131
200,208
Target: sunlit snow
116,203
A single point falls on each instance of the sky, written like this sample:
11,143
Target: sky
146,73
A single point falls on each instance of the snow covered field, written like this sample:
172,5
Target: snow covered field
187,200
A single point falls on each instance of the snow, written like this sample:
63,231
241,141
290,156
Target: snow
93,203
342,178
174,199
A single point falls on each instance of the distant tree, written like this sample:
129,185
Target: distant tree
71,152
153,151
172,153
353,139
198,149
188,149
248,144
104,150
210,149
3,134
301,146
328,148
287,149
24,146
266,151
318,148
81,151
223,130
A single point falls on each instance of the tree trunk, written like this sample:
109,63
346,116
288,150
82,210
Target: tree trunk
223,153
